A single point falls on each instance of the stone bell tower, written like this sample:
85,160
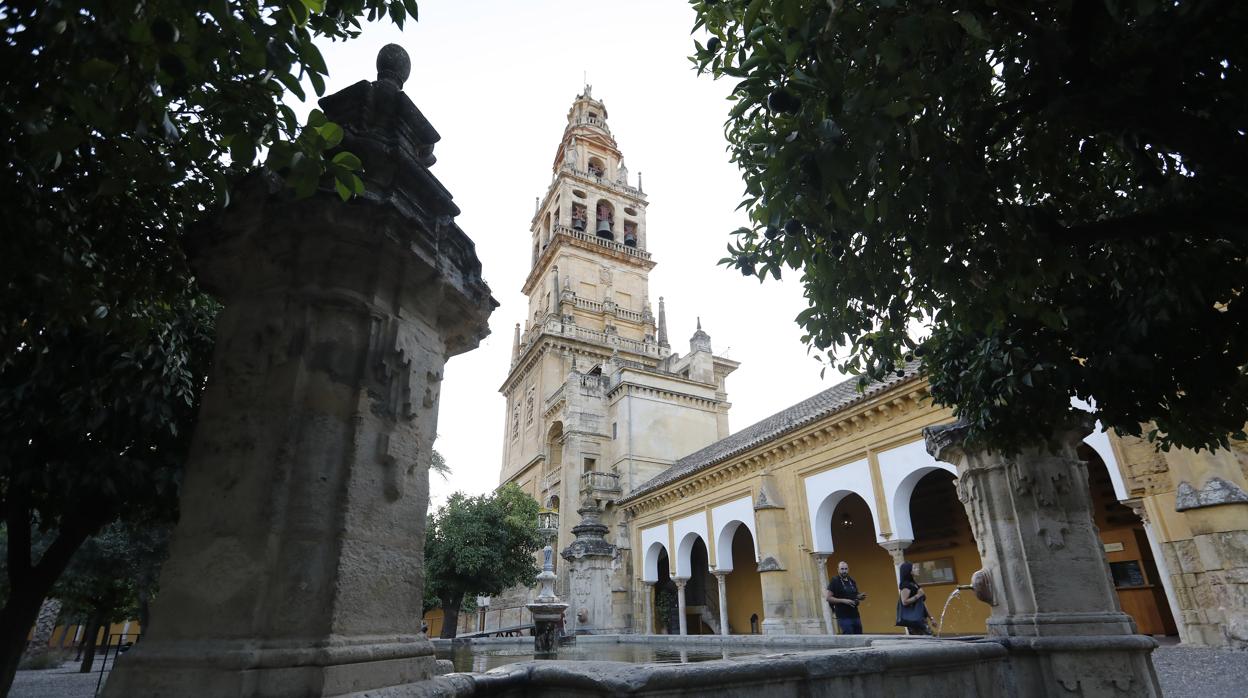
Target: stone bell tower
597,402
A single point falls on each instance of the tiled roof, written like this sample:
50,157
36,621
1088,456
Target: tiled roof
834,399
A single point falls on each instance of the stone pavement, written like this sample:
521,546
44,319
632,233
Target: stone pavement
1185,672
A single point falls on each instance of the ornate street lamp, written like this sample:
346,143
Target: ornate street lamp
548,524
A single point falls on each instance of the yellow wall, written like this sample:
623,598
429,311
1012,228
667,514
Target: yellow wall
745,589
434,619
870,565
942,530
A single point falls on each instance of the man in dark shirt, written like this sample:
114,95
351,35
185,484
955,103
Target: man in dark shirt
844,597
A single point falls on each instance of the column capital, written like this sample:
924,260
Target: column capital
649,583
721,573
821,557
896,545
680,582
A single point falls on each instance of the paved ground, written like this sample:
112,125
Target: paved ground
1185,672
64,682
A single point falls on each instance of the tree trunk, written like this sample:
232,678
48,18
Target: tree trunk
450,615
88,643
29,584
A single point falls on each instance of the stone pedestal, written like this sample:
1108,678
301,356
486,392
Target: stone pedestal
1054,605
590,559
547,610
295,569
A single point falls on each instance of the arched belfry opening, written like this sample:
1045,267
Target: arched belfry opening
605,216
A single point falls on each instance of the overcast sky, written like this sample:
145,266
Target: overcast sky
496,79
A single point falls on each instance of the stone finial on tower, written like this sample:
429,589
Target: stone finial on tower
662,324
515,344
700,341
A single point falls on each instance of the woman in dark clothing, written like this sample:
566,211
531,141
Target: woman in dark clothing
911,594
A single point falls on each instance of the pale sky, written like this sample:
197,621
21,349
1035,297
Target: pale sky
496,79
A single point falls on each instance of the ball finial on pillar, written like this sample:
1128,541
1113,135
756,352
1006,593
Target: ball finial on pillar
393,65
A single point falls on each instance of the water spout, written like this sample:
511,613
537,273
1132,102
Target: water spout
953,595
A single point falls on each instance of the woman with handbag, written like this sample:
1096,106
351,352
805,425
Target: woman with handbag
912,612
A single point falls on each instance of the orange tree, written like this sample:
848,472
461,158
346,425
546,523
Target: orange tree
1053,192
121,123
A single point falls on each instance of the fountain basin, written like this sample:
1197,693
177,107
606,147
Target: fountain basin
781,666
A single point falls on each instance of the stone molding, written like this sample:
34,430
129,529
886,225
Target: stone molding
1215,493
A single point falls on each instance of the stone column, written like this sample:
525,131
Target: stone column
590,559
680,603
1054,605
649,608
897,550
721,581
295,569
821,566
773,536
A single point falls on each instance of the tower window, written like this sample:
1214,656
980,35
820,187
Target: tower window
591,464
596,168
615,430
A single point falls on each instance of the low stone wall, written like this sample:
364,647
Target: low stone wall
858,666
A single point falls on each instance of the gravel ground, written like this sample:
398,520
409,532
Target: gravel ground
1185,672
64,682
1194,672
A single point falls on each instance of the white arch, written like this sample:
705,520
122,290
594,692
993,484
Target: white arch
653,541
826,489
1098,440
725,519
901,469
684,532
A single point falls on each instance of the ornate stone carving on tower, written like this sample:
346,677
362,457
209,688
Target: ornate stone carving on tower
608,390
295,569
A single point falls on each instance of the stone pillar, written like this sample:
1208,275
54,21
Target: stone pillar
648,603
773,536
295,569
821,566
897,550
1054,605
721,581
680,603
1212,499
590,559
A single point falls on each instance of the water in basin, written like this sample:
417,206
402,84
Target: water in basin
484,658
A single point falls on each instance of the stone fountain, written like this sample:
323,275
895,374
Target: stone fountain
547,609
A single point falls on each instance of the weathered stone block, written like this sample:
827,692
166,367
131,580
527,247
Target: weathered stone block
1187,556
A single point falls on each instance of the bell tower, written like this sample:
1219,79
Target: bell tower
597,402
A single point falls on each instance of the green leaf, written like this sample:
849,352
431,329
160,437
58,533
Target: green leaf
331,132
970,23
347,161
751,14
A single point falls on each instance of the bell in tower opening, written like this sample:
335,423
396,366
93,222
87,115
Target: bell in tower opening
606,221
579,216
630,233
